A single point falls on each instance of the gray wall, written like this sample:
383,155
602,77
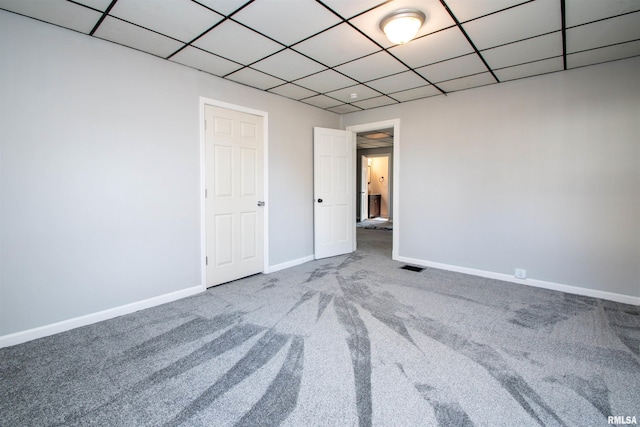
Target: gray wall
99,173
541,173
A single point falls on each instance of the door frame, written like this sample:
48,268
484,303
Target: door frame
364,186
203,102
395,123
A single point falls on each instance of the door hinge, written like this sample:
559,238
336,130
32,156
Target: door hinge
205,193
206,260
205,124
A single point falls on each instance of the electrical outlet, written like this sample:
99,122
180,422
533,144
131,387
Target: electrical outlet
520,273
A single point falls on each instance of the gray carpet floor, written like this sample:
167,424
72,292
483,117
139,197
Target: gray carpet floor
346,341
375,224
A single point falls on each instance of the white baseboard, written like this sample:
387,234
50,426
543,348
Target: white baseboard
288,264
626,299
76,322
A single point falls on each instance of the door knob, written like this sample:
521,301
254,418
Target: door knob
260,203
319,200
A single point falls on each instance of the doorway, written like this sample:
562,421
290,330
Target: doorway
375,150
377,185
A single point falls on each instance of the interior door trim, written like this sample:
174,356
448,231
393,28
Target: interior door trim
203,101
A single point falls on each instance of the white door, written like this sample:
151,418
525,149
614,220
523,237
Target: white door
234,195
333,186
364,189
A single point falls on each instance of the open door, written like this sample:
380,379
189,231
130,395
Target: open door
333,188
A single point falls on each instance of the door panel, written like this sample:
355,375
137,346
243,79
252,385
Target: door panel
249,172
234,181
341,221
224,239
334,198
222,171
324,228
249,228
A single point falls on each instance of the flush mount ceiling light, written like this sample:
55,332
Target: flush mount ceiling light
402,25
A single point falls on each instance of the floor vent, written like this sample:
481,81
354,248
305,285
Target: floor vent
412,268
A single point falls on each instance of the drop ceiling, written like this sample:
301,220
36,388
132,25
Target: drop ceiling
332,54
375,139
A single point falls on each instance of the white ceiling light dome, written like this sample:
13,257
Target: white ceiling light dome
402,25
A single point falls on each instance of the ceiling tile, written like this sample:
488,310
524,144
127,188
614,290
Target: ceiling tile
375,102
467,82
205,61
224,7
603,33
465,10
437,18
100,5
322,101
376,134
344,95
364,146
529,20
377,144
287,21
121,32
581,11
433,48
348,9
181,19
255,79
326,81
530,69
344,109
235,42
58,12
611,53
337,46
288,65
528,50
293,91
453,68
382,141
372,67
417,93
397,82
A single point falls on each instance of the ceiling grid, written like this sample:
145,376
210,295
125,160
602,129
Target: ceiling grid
332,54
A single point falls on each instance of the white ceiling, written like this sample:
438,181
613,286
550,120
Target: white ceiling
320,52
